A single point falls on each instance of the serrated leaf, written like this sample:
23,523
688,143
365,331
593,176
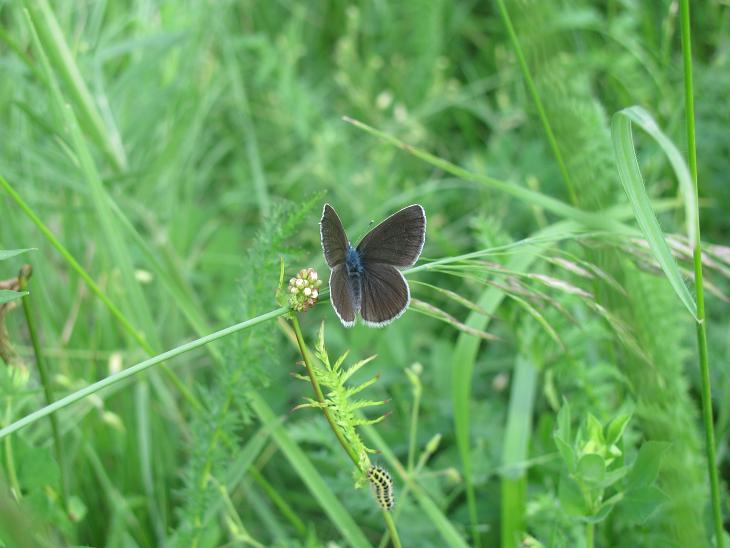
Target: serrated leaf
592,468
646,466
356,366
7,253
8,295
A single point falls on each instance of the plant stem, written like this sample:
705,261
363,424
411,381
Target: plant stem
538,102
304,351
9,460
589,535
391,529
699,290
23,277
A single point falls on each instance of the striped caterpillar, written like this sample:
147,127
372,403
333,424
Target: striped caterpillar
382,485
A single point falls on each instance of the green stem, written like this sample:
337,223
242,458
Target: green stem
9,460
45,380
96,290
414,425
392,529
304,351
389,523
699,289
135,369
589,535
538,102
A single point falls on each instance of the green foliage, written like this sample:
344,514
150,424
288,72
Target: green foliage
344,409
169,163
597,480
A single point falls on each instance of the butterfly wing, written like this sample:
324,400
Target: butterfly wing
333,237
398,240
384,296
343,295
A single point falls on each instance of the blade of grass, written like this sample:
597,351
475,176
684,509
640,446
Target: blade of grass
23,277
61,58
695,241
633,183
532,88
515,451
135,369
463,360
598,221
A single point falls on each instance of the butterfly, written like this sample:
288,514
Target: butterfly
366,278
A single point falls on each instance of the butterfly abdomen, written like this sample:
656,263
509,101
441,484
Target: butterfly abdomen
382,485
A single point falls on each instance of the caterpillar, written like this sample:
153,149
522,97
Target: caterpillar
382,485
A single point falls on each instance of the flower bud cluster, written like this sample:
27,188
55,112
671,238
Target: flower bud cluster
304,289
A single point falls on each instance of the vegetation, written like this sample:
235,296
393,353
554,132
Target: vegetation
162,175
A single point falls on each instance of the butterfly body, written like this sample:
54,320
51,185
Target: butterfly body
365,279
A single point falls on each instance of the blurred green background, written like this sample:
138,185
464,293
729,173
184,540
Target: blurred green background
209,135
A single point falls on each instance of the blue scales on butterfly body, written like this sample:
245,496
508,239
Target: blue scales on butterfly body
355,268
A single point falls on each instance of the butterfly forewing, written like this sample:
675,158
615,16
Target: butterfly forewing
332,234
343,295
397,241
385,295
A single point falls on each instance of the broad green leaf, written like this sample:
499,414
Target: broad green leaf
566,451
571,499
646,466
633,183
7,253
6,295
601,514
639,505
37,468
592,468
614,475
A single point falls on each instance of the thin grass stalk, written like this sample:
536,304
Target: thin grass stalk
699,289
135,369
45,381
538,101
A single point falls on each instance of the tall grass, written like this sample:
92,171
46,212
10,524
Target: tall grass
166,162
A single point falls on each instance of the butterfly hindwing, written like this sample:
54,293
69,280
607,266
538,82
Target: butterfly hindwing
384,296
333,236
343,295
398,240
